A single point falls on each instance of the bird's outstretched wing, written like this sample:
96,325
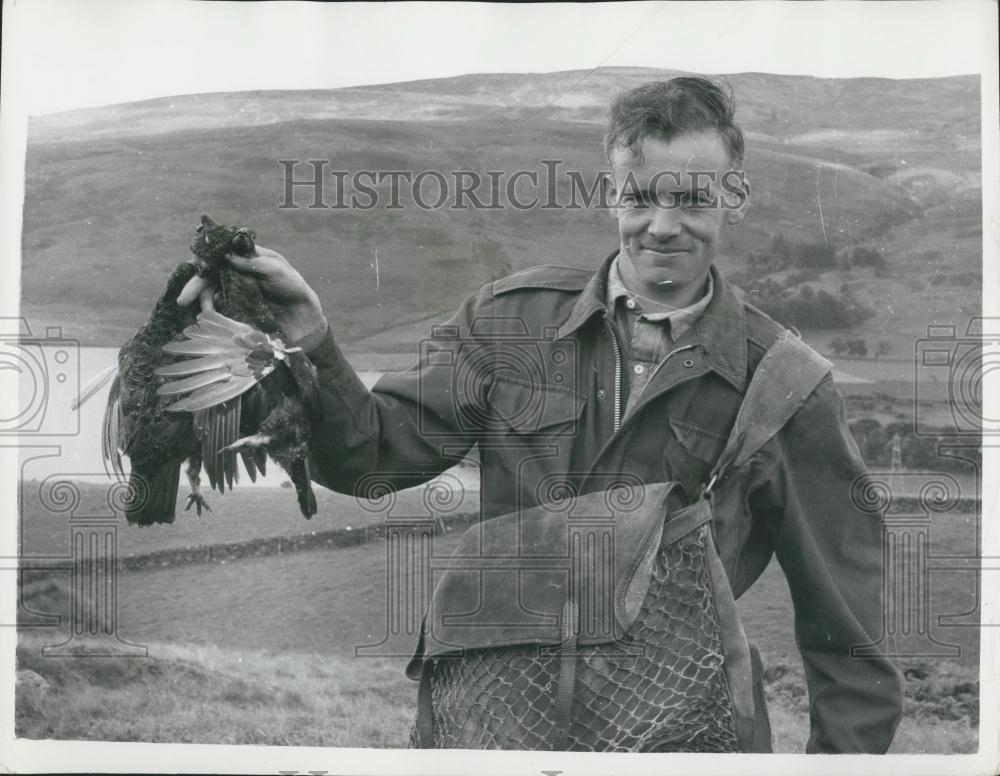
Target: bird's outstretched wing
221,360
224,359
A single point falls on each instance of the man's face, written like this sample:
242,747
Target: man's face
673,201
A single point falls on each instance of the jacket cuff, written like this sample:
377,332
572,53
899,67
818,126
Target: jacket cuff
318,344
334,370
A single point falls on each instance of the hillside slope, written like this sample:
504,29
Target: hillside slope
113,194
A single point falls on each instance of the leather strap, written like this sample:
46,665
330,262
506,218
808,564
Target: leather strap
786,376
425,710
684,522
567,677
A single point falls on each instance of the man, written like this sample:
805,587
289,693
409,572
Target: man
643,365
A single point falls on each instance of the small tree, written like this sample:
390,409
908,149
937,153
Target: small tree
865,257
871,439
920,453
781,249
857,347
838,346
882,349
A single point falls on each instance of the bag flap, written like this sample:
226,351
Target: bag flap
510,577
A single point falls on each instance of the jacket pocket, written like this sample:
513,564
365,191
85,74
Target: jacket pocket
525,407
690,453
703,444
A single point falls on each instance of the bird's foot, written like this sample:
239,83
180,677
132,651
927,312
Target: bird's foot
198,501
254,440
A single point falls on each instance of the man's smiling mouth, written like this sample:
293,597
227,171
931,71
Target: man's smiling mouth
665,251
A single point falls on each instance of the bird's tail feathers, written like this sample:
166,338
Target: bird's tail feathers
303,487
93,386
152,498
254,461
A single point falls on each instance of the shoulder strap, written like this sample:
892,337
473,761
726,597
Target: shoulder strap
787,374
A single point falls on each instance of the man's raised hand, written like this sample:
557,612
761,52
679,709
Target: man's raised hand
293,301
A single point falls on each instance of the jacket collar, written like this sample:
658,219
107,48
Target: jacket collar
721,329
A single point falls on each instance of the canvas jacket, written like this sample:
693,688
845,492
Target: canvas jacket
529,369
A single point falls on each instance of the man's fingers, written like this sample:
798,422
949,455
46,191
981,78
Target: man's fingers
266,262
262,251
243,264
205,299
194,288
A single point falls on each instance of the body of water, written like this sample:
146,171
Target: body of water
64,441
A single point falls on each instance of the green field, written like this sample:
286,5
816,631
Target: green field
242,515
236,641
240,695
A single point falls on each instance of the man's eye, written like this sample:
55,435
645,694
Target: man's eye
699,200
632,202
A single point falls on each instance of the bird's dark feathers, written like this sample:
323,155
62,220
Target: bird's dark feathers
230,366
136,422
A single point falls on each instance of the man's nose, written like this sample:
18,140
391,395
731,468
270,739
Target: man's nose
665,222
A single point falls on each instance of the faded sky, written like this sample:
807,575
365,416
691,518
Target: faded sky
68,54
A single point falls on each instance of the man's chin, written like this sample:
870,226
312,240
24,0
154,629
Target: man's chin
653,270
663,265
661,280
653,276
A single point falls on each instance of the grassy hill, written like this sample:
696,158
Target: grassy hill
207,694
212,695
113,194
261,651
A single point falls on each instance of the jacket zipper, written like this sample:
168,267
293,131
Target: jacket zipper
618,376
659,366
654,371
618,372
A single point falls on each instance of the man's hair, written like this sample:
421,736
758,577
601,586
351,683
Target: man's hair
668,109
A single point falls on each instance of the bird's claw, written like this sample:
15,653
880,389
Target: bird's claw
198,502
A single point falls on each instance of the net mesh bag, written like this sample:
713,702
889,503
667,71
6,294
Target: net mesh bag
660,688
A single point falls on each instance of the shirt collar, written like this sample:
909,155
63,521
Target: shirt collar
721,329
679,319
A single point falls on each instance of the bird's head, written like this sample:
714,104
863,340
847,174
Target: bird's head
213,241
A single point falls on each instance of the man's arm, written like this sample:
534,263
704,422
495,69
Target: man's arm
832,555
409,428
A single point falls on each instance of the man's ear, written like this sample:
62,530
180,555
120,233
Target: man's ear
737,197
609,192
